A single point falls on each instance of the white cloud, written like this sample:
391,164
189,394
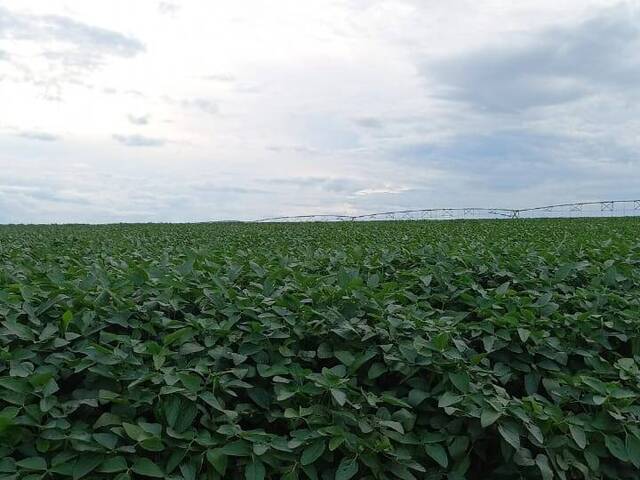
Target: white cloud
138,119
139,140
40,136
381,191
250,109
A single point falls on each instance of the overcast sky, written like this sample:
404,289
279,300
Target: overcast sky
186,111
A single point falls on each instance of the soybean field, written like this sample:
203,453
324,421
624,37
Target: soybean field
497,349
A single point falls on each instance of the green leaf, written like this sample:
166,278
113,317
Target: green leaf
175,458
339,396
134,431
460,380
578,436
238,448
448,399
7,416
21,369
438,453
312,452
416,397
190,381
348,468
107,440
426,280
535,432
254,470
153,444
32,463
85,464
441,341
17,385
188,471
144,466
616,446
401,472
335,442
67,317
218,460
543,299
545,469
510,434
260,397
310,471
345,357
502,288
7,465
50,388
376,370
524,334
633,450
113,465
397,426
458,447
531,382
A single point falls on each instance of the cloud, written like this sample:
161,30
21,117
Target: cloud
552,66
72,196
369,122
335,185
139,119
139,141
203,104
292,148
40,136
328,184
62,50
220,78
398,111
381,191
88,38
167,8
510,160
212,187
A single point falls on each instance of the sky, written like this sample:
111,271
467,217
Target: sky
158,111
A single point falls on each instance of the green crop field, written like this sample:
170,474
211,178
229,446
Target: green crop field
384,350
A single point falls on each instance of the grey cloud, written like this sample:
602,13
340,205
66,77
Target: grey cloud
334,185
139,141
50,201
46,193
554,66
220,78
211,187
91,37
139,119
203,104
64,29
64,42
292,148
509,160
40,136
167,8
369,122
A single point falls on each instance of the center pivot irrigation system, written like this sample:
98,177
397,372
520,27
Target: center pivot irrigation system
607,208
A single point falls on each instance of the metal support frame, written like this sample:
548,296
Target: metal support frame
622,207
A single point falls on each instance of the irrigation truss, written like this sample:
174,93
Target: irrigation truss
606,208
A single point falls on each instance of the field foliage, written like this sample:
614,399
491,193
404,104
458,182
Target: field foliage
407,350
